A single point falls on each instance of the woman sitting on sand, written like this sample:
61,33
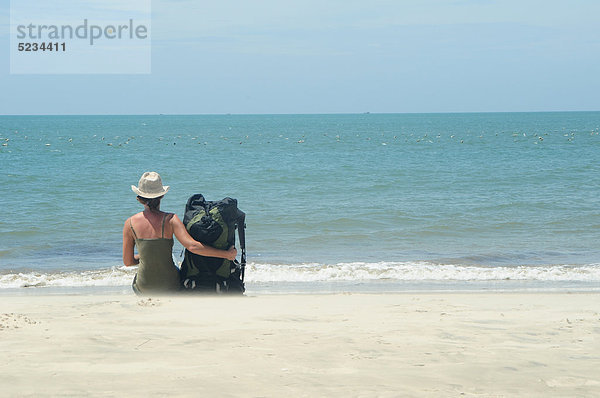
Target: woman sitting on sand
152,231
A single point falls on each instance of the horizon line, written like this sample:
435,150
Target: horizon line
291,114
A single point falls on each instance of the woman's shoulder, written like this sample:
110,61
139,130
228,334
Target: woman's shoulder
130,221
136,216
172,217
135,219
174,220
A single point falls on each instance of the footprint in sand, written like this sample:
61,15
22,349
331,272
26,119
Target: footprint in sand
149,302
571,382
15,321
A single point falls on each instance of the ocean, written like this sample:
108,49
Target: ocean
333,203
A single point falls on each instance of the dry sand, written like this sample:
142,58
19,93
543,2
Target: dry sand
346,345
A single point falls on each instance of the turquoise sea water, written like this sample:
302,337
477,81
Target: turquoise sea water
355,200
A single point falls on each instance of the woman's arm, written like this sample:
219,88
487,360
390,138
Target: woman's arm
129,258
195,247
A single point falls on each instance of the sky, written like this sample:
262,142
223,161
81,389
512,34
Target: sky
337,56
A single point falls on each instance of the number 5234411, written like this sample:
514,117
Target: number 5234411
50,46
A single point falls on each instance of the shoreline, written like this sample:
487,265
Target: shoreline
339,287
323,289
349,344
309,289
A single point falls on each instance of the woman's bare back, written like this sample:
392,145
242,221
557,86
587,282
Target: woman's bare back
148,224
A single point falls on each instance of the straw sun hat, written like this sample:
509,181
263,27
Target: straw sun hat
150,186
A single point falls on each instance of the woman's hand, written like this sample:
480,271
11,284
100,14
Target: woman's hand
189,243
231,253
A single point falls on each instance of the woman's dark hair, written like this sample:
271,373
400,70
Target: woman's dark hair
152,203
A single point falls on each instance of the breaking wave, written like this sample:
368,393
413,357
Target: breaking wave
316,272
418,271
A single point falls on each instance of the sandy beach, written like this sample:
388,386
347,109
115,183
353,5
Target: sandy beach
358,345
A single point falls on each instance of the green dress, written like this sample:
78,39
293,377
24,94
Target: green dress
156,271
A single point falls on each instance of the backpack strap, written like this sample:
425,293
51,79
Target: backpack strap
241,227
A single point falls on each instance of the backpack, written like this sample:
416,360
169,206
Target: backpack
213,223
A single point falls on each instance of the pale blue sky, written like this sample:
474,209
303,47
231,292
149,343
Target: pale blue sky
339,56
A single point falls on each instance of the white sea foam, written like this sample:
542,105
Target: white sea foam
418,271
114,276
315,272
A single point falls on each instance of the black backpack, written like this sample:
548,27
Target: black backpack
214,223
